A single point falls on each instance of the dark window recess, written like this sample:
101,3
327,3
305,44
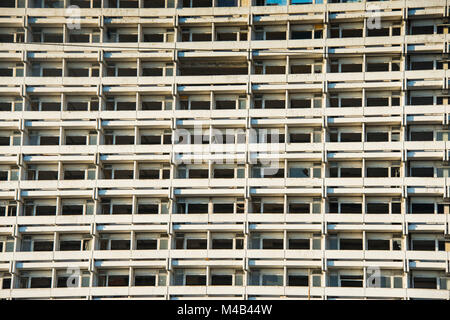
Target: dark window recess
356,67
196,244
43,246
422,136
45,210
197,208
121,209
422,172
198,173
300,35
223,208
152,72
49,141
72,210
147,209
298,281
75,140
418,101
73,175
299,244
121,140
300,69
377,102
377,172
377,136
151,105
351,244
299,208
74,245
120,244
350,137
117,281
422,208
40,282
276,35
222,244
378,208
272,243
224,173
350,172
383,32
351,208
425,283
300,138
149,174
147,244
195,280
221,280
300,103
423,245
142,281
378,244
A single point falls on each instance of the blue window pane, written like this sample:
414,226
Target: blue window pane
227,3
301,1
276,2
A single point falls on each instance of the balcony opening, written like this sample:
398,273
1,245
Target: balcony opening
198,173
197,208
425,283
422,136
355,67
276,208
422,101
377,137
146,244
301,69
70,245
69,210
377,172
351,281
221,280
120,245
299,208
423,245
222,244
145,281
380,208
148,209
424,172
149,174
300,138
196,244
272,244
378,245
122,209
351,208
223,173
73,175
40,282
350,244
123,140
195,280
76,140
350,137
350,172
297,281
43,246
299,244
223,208
154,4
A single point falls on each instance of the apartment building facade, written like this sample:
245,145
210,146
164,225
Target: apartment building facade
224,149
